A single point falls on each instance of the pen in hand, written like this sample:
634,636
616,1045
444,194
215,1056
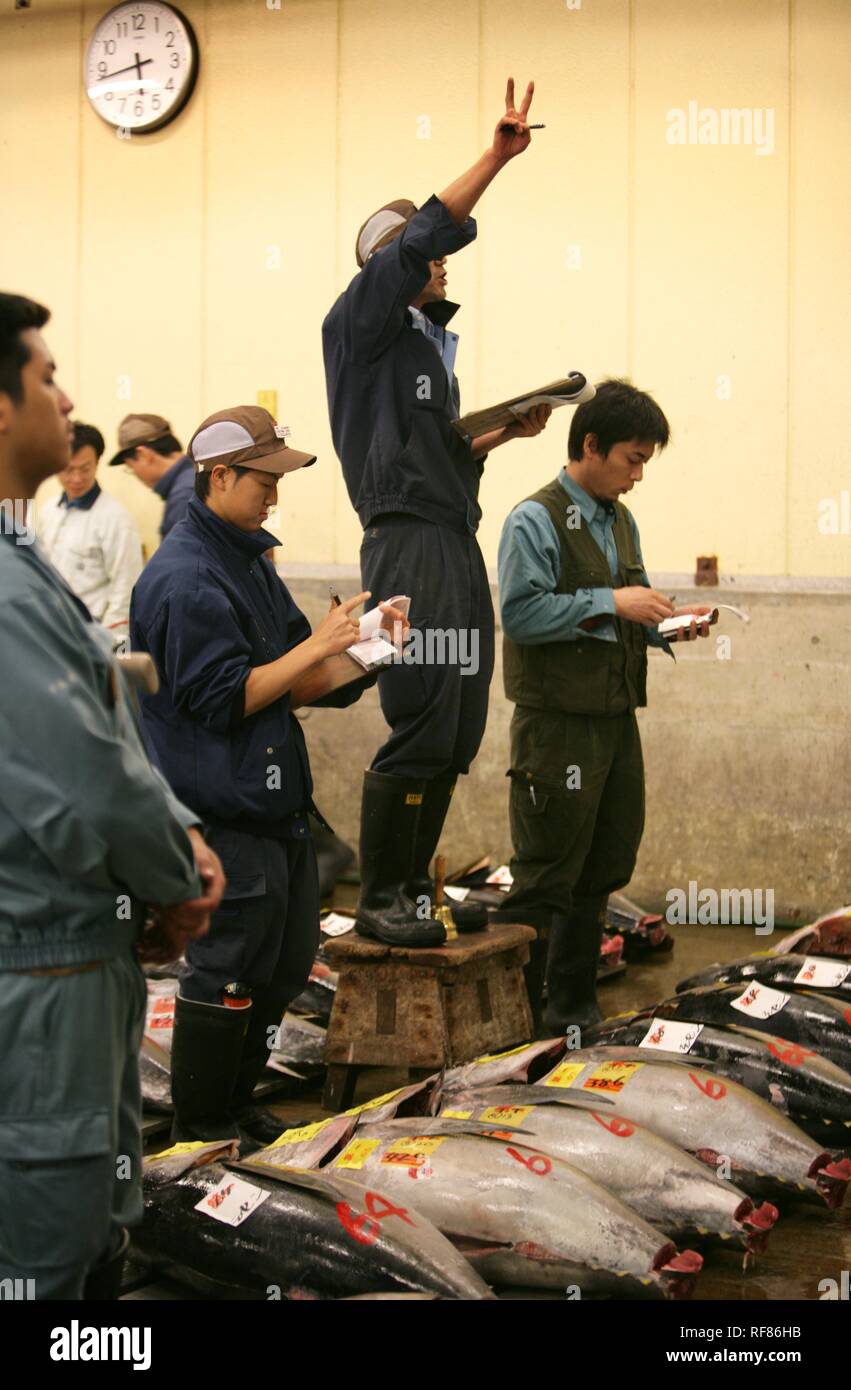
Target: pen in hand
335,597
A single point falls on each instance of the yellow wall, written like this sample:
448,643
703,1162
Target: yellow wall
697,262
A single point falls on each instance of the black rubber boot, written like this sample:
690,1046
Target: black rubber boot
572,963
103,1281
389,816
535,969
260,1125
437,794
205,1057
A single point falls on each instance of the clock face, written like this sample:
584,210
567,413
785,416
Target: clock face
140,66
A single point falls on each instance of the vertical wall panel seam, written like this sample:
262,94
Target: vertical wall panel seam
338,493
631,210
78,293
791,193
203,250
478,365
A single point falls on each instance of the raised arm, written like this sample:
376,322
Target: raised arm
511,137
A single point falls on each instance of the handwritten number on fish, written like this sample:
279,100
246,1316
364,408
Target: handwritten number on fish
792,1053
544,1164
365,1228
621,1129
715,1090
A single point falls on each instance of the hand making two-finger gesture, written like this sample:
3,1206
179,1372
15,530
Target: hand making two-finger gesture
512,134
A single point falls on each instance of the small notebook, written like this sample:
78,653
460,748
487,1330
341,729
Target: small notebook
374,649
669,626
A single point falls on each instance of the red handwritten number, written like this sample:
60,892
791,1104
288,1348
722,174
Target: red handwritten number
545,1164
365,1228
621,1129
715,1090
792,1054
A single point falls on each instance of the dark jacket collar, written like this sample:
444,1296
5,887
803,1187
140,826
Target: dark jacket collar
249,544
169,478
440,311
84,503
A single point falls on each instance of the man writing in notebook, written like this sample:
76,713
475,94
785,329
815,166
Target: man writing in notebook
414,482
578,614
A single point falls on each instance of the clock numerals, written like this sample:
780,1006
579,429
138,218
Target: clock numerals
141,65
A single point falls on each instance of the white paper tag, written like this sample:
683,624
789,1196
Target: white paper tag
232,1201
501,877
335,924
669,1035
760,1001
822,974
459,894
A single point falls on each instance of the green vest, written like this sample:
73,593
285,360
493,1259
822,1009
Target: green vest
586,676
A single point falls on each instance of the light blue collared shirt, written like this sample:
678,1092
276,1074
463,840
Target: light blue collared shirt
444,339
529,566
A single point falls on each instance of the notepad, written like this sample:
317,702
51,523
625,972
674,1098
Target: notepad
670,626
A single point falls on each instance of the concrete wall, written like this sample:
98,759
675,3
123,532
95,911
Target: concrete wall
747,747
191,268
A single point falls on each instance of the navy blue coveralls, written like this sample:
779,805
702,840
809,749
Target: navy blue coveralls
209,607
414,484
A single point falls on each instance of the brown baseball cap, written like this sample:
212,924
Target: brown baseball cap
138,429
247,435
383,226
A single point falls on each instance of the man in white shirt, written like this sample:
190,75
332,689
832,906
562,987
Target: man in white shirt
90,538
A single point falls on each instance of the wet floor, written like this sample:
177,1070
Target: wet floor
808,1244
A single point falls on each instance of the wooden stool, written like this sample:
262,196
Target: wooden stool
424,1008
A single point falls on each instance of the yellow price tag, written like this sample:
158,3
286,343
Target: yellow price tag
455,1114
356,1152
611,1076
413,1153
497,1056
185,1148
565,1074
375,1102
299,1135
507,1114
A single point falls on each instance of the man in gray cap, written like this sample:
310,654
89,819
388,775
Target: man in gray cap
414,482
148,448
235,657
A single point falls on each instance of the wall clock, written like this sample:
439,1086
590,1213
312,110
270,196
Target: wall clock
141,64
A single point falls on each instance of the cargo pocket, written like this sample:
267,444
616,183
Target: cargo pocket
57,1178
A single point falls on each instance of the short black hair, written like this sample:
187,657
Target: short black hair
165,445
87,434
619,411
202,479
16,314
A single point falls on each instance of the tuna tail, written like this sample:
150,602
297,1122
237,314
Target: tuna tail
832,1176
757,1222
678,1273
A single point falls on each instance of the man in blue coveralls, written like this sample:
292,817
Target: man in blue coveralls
90,837
414,481
235,657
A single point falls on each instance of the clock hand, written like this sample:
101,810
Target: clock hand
137,65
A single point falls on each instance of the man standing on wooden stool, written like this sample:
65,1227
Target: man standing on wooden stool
578,614
414,482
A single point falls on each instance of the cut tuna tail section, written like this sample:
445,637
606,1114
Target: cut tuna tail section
831,1177
677,1272
758,1222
